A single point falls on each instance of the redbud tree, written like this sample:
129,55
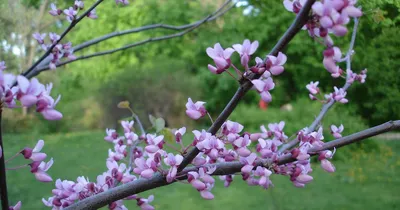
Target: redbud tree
138,161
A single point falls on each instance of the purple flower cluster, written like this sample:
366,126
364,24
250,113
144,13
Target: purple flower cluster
28,93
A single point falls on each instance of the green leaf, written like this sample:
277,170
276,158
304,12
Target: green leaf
152,120
123,105
159,124
168,135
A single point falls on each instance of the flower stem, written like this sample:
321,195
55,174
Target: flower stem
209,116
17,167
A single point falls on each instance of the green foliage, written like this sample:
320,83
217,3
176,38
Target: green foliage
158,90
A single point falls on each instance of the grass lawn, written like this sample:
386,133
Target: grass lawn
367,181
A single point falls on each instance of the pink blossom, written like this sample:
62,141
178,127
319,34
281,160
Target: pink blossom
211,146
112,135
117,205
275,64
241,144
231,127
92,14
263,87
267,148
248,162
70,13
336,131
16,206
303,151
39,170
54,37
119,154
277,131
326,164
221,58
245,50
131,137
228,179
144,204
116,170
154,143
339,95
174,162
316,137
34,154
179,133
203,182
264,174
294,5
79,4
195,110
127,125
46,105
54,11
124,2
200,136
28,91
331,56
39,37
313,87
145,168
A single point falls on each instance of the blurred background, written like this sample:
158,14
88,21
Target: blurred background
157,78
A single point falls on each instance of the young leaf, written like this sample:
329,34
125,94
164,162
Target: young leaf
159,124
123,105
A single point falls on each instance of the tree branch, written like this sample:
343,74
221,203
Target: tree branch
224,168
246,84
70,27
214,15
3,180
325,108
189,27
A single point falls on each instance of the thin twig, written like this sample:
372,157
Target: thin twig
215,15
225,168
188,27
246,84
133,146
70,27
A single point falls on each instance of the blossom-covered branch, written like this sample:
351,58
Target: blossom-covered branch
142,185
246,83
184,29
325,108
